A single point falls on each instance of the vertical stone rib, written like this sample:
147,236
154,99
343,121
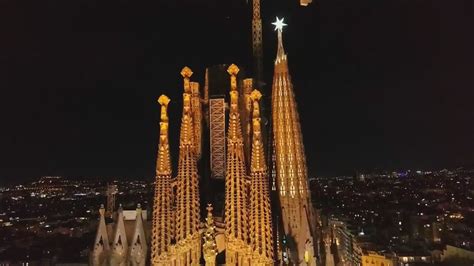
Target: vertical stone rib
261,233
236,219
162,216
197,117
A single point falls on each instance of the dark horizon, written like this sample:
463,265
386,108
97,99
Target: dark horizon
386,85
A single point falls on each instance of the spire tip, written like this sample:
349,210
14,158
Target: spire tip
186,72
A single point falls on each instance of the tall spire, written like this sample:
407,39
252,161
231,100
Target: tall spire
139,247
187,231
257,46
101,248
297,212
236,216
261,233
162,215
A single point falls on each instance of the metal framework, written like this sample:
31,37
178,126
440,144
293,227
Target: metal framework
217,136
257,45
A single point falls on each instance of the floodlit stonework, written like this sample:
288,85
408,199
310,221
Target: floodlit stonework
247,231
290,162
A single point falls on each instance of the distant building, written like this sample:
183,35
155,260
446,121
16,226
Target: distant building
371,258
348,250
456,253
413,257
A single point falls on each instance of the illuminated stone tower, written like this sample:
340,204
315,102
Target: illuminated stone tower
292,181
162,227
257,45
188,238
236,215
261,233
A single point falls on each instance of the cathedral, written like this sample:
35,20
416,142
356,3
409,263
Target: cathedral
240,195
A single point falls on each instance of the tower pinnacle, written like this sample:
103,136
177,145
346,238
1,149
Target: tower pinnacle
187,198
162,226
236,218
297,211
261,233
279,24
281,56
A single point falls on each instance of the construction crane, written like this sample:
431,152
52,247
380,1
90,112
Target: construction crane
111,192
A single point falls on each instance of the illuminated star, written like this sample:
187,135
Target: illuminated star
279,24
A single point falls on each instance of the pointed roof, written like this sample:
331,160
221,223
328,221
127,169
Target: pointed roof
101,244
102,236
120,244
139,247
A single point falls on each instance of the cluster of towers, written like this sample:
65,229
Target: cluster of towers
266,217
179,237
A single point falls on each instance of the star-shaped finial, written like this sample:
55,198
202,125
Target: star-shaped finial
279,24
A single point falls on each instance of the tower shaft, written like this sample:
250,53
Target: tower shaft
188,250
236,215
162,215
261,233
296,209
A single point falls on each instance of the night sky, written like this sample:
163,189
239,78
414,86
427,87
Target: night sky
380,84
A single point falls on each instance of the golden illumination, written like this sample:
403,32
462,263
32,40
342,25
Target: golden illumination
298,216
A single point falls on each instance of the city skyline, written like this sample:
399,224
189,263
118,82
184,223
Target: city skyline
81,95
